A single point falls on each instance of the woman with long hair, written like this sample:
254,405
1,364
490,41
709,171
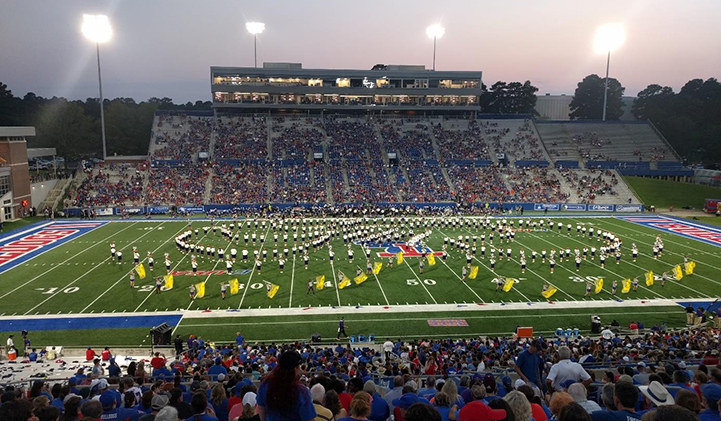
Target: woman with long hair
519,404
281,396
450,389
220,402
332,402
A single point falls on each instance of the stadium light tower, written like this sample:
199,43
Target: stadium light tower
608,38
96,28
255,28
435,31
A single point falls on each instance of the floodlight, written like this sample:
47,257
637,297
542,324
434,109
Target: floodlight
435,31
609,37
97,28
255,28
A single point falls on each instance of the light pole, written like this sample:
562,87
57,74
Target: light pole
435,31
97,29
608,38
255,28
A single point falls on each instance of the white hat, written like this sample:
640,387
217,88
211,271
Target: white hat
221,377
682,365
519,383
249,398
656,393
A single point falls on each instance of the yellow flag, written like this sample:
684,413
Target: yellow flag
320,282
508,285
599,286
399,258
200,288
431,259
141,271
690,267
168,281
360,279
273,290
649,278
473,273
626,286
344,283
234,286
377,267
549,292
677,272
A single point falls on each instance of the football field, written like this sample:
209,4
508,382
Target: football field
76,275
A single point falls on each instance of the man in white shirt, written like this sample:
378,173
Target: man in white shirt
607,334
566,370
387,349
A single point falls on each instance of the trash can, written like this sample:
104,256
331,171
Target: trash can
12,355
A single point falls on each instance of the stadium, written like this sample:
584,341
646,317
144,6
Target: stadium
389,230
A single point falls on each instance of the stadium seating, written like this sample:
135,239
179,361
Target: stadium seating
337,159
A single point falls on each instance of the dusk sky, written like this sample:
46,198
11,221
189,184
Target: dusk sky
166,47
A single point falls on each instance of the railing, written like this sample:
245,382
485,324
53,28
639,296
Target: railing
668,145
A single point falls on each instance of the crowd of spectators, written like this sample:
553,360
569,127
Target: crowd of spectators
590,183
244,138
465,144
296,141
183,185
116,186
245,184
657,375
180,137
535,185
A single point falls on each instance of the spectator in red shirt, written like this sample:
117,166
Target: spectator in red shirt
90,354
158,361
106,355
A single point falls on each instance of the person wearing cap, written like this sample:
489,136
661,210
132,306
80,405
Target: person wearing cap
113,368
478,411
379,407
625,396
156,404
527,365
112,412
565,370
655,395
711,400
281,396
402,404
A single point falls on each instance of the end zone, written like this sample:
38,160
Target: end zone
23,246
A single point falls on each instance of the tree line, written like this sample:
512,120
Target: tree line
73,127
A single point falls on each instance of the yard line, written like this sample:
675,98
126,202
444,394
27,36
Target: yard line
292,278
84,274
123,277
332,267
376,276
420,281
669,251
65,261
537,275
217,262
174,267
252,271
464,283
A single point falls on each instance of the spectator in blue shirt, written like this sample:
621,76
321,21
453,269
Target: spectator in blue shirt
111,412
711,397
201,412
33,356
216,369
379,407
527,365
625,396
239,339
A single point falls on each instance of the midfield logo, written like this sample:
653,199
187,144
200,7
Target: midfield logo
408,251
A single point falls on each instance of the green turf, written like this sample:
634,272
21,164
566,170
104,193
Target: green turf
665,193
9,226
79,277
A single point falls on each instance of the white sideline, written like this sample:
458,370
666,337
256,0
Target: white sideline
346,310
